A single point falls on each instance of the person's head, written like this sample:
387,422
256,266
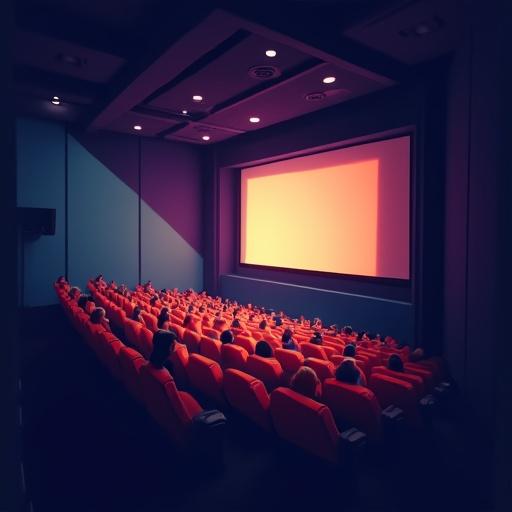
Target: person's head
163,345
263,324
416,355
163,317
99,277
74,292
263,349
202,308
347,372
395,363
347,330
187,321
61,279
226,337
279,321
136,313
191,308
97,315
82,301
236,324
153,300
287,336
316,339
349,350
306,382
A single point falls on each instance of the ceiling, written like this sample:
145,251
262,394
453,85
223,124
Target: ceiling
124,63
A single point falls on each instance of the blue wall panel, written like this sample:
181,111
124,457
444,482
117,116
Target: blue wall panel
103,221
167,259
41,177
385,316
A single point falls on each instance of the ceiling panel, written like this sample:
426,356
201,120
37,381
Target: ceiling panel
194,132
228,75
419,31
58,56
288,99
150,126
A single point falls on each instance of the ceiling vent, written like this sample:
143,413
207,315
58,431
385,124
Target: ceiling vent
264,72
315,96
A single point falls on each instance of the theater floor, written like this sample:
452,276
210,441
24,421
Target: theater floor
88,447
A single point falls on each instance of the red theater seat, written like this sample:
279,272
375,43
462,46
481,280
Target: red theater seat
179,330
130,362
305,423
312,350
246,342
171,409
248,395
391,391
233,356
211,333
145,342
111,348
414,380
205,375
268,370
131,331
179,359
353,405
323,369
210,348
424,373
290,361
150,320
192,340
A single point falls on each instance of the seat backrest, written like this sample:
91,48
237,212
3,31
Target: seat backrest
145,342
210,348
211,333
312,350
150,320
130,362
233,356
417,382
110,351
391,391
178,329
248,395
246,342
179,359
164,402
290,360
268,370
353,406
305,423
323,369
192,340
206,376
428,377
131,331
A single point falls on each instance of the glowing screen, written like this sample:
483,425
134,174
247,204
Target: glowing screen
344,211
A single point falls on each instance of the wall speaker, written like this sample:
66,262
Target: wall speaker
37,221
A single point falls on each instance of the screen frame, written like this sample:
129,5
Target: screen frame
409,131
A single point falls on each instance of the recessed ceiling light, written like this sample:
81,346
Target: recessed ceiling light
270,53
329,80
184,112
197,97
56,100
205,137
137,127
254,119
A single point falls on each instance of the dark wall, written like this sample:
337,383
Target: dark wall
383,114
128,207
471,253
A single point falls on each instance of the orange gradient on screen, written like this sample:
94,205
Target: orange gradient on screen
319,219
